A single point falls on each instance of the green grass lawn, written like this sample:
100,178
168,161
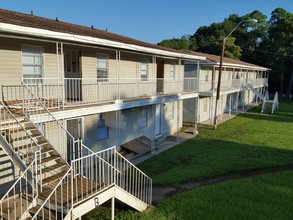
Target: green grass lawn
248,141
265,197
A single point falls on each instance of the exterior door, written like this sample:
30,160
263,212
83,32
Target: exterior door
158,119
74,127
160,76
72,65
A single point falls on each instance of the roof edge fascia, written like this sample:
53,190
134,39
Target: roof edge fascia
37,32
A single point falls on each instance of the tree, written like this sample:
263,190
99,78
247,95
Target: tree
280,41
186,42
266,43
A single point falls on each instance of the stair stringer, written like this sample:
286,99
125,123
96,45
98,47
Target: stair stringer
129,199
13,155
250,87
102,197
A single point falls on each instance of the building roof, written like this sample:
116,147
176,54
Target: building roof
228,62
71,32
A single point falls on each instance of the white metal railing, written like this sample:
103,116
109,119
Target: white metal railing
95,172
36,110
108,167
258,82
22,193
133,180
233,84
71,92
16,135
190,84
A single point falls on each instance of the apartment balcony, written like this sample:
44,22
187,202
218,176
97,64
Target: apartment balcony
207,88
74,92
235,84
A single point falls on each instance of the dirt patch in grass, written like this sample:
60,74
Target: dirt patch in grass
164,191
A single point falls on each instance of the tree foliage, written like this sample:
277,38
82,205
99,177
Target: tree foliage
267,43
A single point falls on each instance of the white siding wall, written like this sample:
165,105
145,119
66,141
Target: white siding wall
11,60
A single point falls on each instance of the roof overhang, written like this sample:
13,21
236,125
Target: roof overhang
234,65
42,33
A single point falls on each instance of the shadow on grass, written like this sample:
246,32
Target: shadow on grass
279,116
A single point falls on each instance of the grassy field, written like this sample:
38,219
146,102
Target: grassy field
249,141
265,197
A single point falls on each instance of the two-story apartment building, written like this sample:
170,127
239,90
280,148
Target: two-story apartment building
68,94
241,84
73,97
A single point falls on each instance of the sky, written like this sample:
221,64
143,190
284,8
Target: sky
150,21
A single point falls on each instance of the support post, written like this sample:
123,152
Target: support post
211,109
195,116
178,120
243,104
237,101
230,104
113,208
221,108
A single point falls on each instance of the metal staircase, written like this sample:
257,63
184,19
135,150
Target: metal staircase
257,93
54,184
267,104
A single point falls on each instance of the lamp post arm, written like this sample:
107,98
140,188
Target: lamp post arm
225,38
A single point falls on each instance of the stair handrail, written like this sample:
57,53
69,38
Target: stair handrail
96,154
53,190
19,179
51,115
35,191
14,118
148,199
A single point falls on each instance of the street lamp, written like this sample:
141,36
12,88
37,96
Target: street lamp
221,65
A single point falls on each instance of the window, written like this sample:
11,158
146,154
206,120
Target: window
32,62
102,129
102,66
142,119
144,70
172,71
170,110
